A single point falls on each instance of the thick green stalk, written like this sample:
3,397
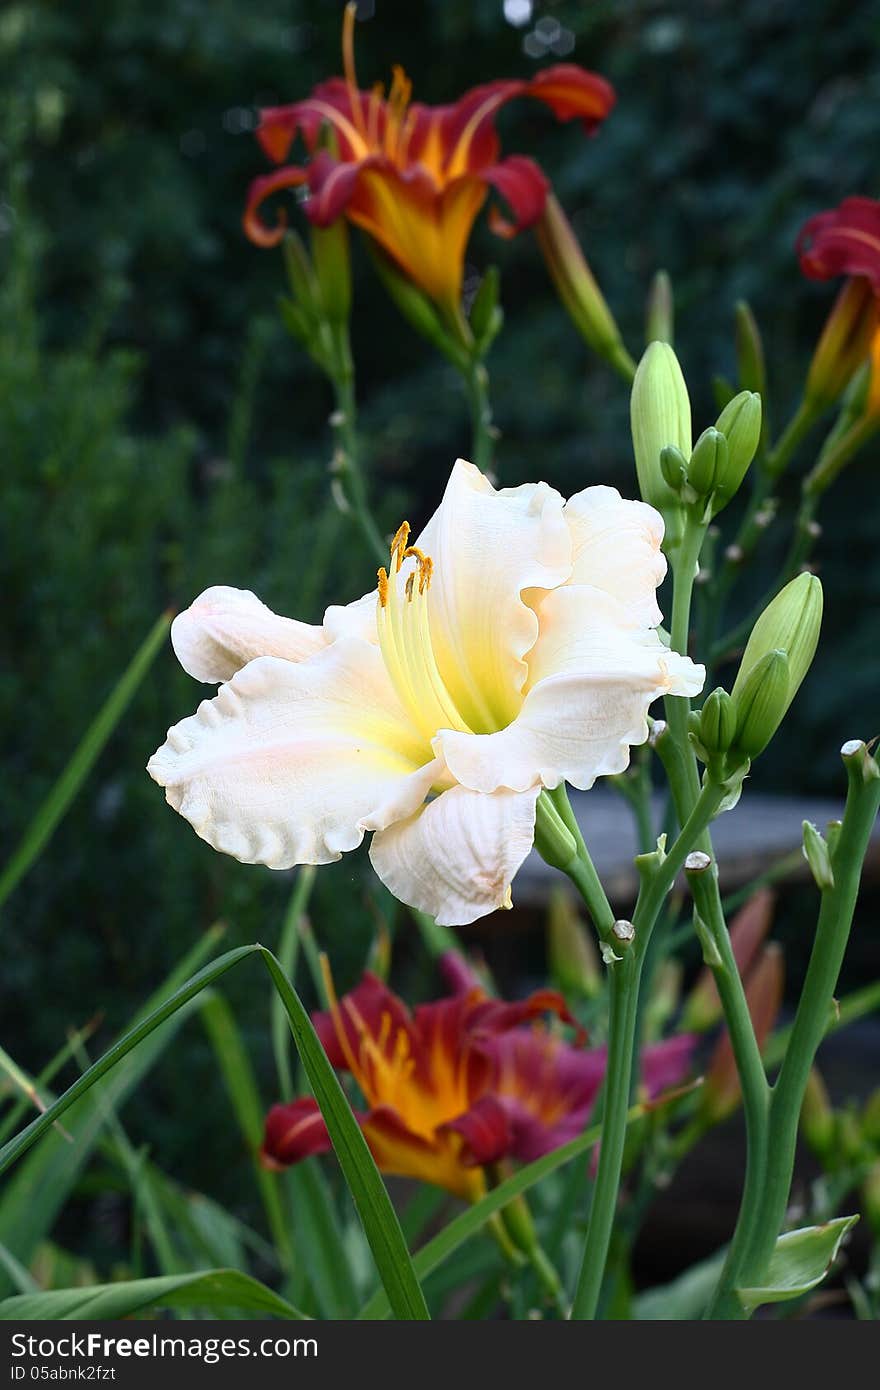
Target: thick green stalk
476,380
659,874
347,465
832,935
623,991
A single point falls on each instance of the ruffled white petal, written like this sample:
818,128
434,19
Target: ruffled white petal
594,675
226,628
487,548
357,619
456,858
291,763
616,547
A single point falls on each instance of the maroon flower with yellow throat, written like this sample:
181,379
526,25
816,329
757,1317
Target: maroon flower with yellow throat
459,1083
413,176
846,241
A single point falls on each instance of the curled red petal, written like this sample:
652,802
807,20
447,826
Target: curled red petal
523,187
261,189
294,1132
843,241
490,1016
329,105
572,92
332,184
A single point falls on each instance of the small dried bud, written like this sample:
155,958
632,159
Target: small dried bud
623,930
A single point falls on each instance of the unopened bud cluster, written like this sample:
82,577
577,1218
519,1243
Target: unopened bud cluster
674,473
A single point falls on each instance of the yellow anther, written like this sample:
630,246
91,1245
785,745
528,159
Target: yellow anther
408,586
383,587
399,544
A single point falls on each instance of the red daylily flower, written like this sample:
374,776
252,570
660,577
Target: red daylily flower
414,176
457,1083
846,241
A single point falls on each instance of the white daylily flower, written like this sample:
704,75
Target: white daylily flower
513,648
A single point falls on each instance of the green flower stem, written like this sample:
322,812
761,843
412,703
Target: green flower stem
623,995
681,769
811,1020
658,875
347,466
792,437
476,380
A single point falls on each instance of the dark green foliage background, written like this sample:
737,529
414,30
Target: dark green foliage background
158,432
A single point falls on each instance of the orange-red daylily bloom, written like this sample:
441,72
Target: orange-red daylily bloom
458,1083
413,176
846,241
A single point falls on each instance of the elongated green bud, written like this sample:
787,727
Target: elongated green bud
660,315
660,412
740,423
749,351
708,461
300,272
553,839
486,315
817,856
573,958
789,624
332,263
717,728
761,702
673,466
817,1116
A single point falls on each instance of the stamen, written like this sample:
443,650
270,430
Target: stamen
405,640
399,545
376,96
348,23
336,1018
398,101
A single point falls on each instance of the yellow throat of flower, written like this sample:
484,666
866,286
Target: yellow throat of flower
405,640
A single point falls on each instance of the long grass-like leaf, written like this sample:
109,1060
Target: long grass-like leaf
241,1086
371,1199
216,1289
378,1216
35,1195
84,757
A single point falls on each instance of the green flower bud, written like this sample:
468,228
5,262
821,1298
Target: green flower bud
673,466
789,625
486,316
817,1117
573,958
300,272
740,423
871,1119
761,701
749,351
332,264
553,839
660,316
817,856
707,462
660,413
717,722
871,1198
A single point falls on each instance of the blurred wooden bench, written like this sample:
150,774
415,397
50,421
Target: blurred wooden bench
752,837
